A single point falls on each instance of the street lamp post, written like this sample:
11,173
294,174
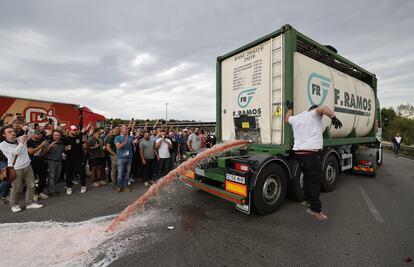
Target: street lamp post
166,112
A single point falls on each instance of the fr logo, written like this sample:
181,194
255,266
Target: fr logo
318,87
245,97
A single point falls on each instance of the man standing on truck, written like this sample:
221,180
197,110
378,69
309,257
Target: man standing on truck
308,143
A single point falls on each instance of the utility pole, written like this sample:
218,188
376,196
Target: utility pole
166,112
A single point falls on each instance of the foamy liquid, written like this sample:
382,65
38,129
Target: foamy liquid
84,243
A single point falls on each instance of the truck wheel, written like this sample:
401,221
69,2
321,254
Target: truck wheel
270,189
330,174
295,188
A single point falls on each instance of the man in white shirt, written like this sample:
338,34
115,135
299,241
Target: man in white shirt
13,147
396,141
308,144
163,146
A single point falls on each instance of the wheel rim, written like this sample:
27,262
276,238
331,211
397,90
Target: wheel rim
271,189
330,174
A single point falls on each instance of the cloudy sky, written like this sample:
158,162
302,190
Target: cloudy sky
127,58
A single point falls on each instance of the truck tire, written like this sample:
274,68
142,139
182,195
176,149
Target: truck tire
270,189
295,188
330,174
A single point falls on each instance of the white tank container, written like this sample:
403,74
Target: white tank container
352,101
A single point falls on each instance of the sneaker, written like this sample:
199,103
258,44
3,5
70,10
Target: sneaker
69,191
43,196
75,182
129,182
146,184
305,204
83,189
132,180
319,216
34,206
35,198
95,184
127,189
102,182
16,208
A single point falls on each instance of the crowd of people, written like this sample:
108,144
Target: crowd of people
43,155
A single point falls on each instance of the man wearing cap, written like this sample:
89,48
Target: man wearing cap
308,143
74,159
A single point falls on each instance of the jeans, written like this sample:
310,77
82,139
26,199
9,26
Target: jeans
55,168
311,166
4,189
396,148
23,176
173,160
163,166
149,169
39,170
114,169
124,170
73,167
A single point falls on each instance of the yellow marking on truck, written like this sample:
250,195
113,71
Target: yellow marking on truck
245,125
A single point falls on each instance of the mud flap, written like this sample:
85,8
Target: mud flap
245,208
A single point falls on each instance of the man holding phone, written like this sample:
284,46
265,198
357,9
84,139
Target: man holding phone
15,149
74,161
163,146
124,153
36,146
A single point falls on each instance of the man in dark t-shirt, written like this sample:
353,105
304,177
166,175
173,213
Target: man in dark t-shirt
74,161
35,148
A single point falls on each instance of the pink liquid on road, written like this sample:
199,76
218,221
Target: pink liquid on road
180,170
96,242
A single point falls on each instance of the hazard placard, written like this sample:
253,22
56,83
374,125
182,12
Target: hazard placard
278,111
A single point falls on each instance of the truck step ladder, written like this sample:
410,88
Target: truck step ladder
277,92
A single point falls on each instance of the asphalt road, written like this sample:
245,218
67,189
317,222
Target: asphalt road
371,223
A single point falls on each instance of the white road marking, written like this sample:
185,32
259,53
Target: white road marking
374,211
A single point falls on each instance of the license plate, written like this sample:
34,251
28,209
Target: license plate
199,171
235,178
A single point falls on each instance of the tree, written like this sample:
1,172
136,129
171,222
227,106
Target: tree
398,123
406,111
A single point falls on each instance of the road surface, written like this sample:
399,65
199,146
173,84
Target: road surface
371,223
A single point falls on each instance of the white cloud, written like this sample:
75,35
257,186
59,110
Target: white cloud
105,56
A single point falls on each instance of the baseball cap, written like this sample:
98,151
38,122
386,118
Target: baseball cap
73,128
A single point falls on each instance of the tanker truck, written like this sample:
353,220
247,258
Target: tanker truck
252,84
